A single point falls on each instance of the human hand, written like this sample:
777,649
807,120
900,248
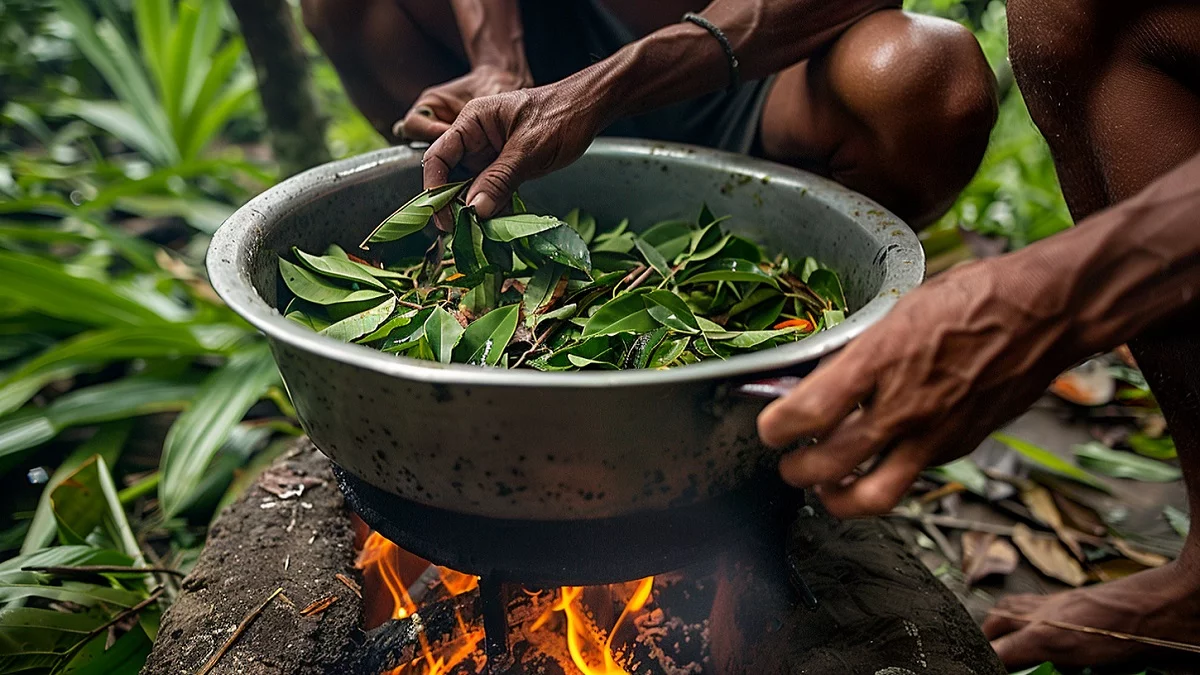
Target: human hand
950,363
438,106
511,137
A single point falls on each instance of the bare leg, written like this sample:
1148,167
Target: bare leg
899,108
387,52
1103,82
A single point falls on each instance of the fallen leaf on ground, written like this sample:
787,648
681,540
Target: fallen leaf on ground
1049,556
985,554
1080,517
1180,521
1124,464
1117,568
1140,557
1041,504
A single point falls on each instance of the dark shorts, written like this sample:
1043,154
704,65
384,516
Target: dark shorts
563,37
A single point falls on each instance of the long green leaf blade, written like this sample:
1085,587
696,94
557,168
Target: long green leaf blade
224,398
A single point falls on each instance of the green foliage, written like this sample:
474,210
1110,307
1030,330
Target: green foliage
623,302
184,90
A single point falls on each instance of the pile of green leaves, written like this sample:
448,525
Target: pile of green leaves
561,294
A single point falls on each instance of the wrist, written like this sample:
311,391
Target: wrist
675,63
513,75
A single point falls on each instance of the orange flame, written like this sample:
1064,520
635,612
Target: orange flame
381,557
590,650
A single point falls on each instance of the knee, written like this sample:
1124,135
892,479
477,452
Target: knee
1051,43
926,96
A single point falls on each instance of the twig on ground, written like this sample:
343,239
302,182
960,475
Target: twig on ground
115,620
101,569
1116,635
250,617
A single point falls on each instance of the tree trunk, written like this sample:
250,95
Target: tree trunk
296,125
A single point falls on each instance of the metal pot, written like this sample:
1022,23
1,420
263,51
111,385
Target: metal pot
526,445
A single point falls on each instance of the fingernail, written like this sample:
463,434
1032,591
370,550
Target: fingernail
483,204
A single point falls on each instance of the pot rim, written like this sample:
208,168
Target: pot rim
239,238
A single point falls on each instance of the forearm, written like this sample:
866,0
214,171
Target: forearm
1125,269
492,34
684,60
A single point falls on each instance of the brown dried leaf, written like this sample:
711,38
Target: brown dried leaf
1080,517
1144,558
1049,556
1041,504
1117,568
318,606
985,554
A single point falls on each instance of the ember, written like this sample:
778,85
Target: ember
563,625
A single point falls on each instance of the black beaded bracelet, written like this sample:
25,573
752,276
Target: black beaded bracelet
734,76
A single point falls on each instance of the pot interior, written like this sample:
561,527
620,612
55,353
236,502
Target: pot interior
781,209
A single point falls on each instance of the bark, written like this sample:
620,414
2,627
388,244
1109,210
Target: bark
296,125
263,542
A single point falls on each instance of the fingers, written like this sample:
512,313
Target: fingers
819,403
879,491
1001,623
418,127
496,183
445,154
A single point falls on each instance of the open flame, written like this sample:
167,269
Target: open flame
389,573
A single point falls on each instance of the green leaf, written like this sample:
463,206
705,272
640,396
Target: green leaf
540,288
484,341
87,500
1180,521
106,443
668,352
414,215
94,348
1154,448
563,245
1044,669
749,338
670,237
443,332
1100,458
1051,462
728,269
625,313
583,362
518,204
484,297
671,311
353,327
403,336
198,433
562,313
386,329
810,265
963,471
313,288
129,397
338,268
833,317
643,348
653,257
508,228
826,284
467,245
126,657
765,316
46,286
84,594
583,223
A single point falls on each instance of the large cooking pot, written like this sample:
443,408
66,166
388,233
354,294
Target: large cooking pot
527,445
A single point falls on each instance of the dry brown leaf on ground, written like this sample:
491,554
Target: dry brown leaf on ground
1049,556
1041,503
1140,557
1080,517
1117,568
985,554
